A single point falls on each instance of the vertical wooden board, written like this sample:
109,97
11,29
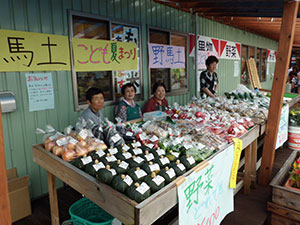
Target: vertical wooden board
86,6
110,7
7,145
103,7
57,17
33,15
137,11
77,5
118,9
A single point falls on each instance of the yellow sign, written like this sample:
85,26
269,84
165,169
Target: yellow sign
99,55
238,147
27,51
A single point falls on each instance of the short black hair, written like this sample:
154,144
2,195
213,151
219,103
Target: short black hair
128,85
211,59
156,85
91,92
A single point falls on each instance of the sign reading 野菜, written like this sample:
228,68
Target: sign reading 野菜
100,55
166,56
271,55
27,51
230,50
205,196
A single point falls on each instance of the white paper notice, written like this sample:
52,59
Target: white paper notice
237,71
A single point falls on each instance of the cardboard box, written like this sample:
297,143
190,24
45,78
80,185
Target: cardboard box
19,197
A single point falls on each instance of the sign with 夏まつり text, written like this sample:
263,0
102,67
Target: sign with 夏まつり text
40,91
101,55
166,56
28,51
205,196
230,50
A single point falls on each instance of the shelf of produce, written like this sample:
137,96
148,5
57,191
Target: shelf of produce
114,202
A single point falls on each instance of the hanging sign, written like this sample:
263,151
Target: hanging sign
282,135
166,56
205,197
206,46
27,51
230,50
40,91
271,55
100,55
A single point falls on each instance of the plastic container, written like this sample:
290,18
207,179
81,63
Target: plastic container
294,138
155,115
85,212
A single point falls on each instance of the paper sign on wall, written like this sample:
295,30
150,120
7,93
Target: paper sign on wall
40,91
100,55
205,197
271,55
237,70
166,56
230,50
28,51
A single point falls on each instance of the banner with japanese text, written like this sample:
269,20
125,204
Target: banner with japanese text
271,55
166,56
205,196
28,51
230,50
206,46
102,55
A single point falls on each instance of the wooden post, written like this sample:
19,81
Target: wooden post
5,216
247,174
53,199
283,58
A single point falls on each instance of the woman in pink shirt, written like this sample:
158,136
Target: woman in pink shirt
158,101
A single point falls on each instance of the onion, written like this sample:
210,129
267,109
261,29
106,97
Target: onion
50,145
58,150
80,150
68,155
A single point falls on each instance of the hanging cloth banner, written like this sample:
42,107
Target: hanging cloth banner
102,55
271,55
166,56
206,46
27,51
230,50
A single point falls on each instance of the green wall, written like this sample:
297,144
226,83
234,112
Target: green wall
50,16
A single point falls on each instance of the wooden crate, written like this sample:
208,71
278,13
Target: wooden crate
285,206
112,201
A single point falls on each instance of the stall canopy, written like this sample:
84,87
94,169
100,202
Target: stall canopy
262,17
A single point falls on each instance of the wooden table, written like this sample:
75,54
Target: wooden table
119,205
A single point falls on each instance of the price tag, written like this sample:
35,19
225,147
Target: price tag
199,119
176,141
126,147
171,173
164,161
73,141
86,160
137,144
143,136
124,165
143,188
149,157
160,152
137,151
113,171
127,155
154,138
129,134
140,173
62,141
176,115
176,154
181,167
154,167
158,180
191,160
116,138
150,145
113,151
98,166
99,141
83,134
139,160
53,137
100,153
128,180
111,158
201,146
236,130
165,144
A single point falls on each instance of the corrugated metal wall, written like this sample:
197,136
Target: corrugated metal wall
50,16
